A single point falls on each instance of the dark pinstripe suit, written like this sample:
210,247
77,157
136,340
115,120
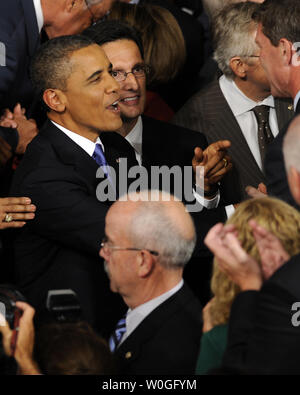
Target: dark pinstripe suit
209,112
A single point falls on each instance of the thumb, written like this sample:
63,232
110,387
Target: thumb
18,110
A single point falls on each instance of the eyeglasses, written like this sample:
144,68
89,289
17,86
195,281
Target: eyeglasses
138,71
250,56
106,247
93,18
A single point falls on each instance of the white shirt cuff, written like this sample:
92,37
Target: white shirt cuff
207,203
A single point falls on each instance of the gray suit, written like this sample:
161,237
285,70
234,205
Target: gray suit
208,111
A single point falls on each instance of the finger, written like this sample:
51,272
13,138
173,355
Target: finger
18,110
218,176
252,192
221,145
234,246
262,188
7,123
198,154
212,235
8,114
21,216
28,311
15,200
19,208
216,161
13,224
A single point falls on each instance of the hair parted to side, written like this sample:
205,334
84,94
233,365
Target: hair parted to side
51,66
279,19
163,42
106,31
274,215
162,225
234,34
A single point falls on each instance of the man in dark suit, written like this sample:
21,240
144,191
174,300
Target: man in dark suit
225,110
162,328
59,248
264,322
21,23
158,143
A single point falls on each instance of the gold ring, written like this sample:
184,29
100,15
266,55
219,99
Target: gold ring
8,218
225,162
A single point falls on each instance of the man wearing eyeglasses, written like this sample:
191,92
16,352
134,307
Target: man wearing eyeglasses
238,106
146,247
157,143
21,24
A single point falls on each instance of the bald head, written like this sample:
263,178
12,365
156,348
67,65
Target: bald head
162,225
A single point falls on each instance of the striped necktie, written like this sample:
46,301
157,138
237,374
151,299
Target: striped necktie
116,337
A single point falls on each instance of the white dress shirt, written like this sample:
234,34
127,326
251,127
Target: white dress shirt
39,14
136,316
241,107
297,97
87,145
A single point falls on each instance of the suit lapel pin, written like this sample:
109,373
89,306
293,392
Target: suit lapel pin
291,107
128,355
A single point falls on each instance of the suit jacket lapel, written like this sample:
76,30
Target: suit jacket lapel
71,153
284,111
31,26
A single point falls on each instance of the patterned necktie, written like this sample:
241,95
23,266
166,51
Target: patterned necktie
116,337
99,157
264,132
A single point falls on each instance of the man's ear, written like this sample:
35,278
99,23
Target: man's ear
238,66
294,183
286,51
146,262
55,99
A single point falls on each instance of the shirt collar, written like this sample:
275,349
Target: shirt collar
135,136
39,13
135,317
87,145
297,97
238,101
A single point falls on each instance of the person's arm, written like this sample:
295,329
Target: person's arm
24,338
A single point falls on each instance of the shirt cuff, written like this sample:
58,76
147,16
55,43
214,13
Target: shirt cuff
229,210
207,203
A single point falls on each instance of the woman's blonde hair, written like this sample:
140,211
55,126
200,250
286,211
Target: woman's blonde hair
274,215
164,45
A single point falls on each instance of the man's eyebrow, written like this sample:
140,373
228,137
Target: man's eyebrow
94,75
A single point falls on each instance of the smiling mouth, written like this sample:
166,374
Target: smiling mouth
114,106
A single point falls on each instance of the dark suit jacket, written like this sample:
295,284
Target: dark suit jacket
209,112
262,338
170,145
276,176
60,247
167,340
19,33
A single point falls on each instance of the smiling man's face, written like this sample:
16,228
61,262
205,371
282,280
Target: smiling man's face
125,56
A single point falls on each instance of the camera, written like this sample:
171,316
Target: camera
63,305
9,295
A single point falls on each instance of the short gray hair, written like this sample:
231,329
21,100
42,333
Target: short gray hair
154,227
233,29
291,145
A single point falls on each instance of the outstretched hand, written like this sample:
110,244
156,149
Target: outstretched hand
215,161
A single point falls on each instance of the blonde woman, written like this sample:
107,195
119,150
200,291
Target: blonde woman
277,217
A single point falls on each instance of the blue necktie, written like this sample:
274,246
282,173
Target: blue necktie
99,157
116,337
